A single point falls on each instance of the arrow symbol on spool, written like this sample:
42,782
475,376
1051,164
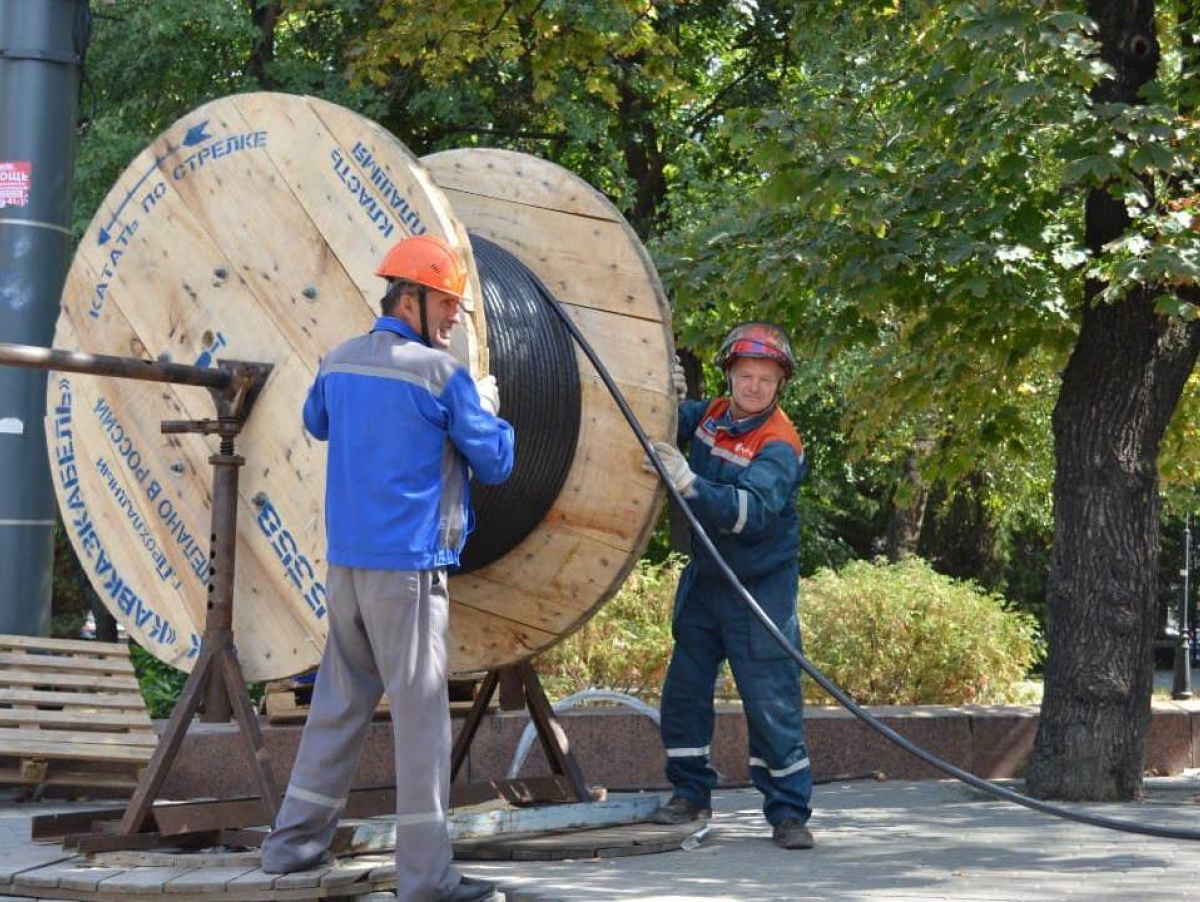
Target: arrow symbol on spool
195,135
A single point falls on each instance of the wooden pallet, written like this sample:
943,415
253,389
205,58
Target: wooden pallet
71,714
288,701
49,873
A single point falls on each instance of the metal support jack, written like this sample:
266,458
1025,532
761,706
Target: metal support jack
216,679
519,686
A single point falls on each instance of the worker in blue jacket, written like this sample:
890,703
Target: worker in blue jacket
404,421
745,465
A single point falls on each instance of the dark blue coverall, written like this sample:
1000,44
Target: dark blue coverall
748,473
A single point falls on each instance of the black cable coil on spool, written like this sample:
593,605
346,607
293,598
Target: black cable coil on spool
533,360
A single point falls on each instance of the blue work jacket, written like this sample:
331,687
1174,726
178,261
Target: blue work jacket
403,422
748,472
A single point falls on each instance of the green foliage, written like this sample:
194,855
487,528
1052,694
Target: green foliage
150,63
901,634
888,634
68,604
918,220
160,683
628,93
627,645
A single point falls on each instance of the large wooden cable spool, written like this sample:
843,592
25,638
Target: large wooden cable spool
251,230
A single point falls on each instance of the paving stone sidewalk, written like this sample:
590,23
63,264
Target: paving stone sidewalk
876,841
906,841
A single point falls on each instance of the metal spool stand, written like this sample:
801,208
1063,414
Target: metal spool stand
519,685
216,679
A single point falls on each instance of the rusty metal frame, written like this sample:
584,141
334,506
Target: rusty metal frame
524,689
216,678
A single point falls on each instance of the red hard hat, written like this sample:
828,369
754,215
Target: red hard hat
425,260
762,340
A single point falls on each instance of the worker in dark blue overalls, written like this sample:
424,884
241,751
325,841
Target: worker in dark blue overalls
745,465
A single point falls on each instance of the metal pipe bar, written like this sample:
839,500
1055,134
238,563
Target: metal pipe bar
33,357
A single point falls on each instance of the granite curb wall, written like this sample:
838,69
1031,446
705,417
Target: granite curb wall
620,749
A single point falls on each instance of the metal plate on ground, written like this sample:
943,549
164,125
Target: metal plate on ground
603,842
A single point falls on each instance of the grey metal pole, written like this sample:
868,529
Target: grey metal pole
42,43
1181,686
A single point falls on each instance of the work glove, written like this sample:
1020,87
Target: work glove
489,394
679,380
675,464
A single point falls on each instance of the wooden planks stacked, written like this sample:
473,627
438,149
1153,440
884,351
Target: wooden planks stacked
288,701
71,714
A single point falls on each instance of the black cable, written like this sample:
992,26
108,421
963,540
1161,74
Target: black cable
533,358
811,669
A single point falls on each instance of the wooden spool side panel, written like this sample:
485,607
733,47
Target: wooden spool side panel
186,306
363,192
480,639
599,524
519,179
236,235
584,261
106,509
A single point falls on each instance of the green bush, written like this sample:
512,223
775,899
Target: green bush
889,634
160,683
902,634
627,645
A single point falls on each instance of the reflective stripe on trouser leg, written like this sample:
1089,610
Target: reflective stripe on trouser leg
774,708
686,721
346,692
407,616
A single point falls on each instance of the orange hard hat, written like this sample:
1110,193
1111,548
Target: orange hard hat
425,260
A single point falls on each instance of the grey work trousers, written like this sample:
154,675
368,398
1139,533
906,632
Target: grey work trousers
387,633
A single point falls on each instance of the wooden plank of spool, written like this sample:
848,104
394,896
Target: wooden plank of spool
592,263
580,246
480,171
250,229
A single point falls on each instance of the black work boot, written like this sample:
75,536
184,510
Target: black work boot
679,811
790,833
471,890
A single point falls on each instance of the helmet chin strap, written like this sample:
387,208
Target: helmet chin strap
422,294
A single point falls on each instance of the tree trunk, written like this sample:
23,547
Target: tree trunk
1118,393
263,14
909,502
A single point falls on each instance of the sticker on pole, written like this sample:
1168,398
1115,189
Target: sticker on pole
15,179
